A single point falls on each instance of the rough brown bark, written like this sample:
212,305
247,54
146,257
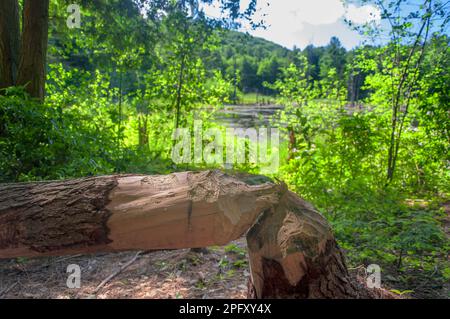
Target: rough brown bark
32,66
292,251
42,217
9,42
112,213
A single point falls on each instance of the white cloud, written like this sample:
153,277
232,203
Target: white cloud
310,11
320,35
296,22
364,14
295,12
212,10
317,12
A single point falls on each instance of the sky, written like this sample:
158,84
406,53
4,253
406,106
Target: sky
302,22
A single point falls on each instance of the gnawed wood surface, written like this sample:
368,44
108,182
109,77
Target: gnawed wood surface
293,254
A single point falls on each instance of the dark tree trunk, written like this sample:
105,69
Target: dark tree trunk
32,66
9,42
292,143
143,130
179,91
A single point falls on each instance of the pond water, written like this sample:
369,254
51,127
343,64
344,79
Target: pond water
247,116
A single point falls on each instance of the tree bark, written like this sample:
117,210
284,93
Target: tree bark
143,130
292,251
9,42
114,213
293,254
32,67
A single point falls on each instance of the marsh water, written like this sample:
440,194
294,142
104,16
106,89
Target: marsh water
247,116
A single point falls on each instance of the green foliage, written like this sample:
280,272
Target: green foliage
233,248
52,141
338,153
255,60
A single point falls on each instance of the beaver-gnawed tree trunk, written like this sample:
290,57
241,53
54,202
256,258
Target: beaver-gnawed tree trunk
292,250
113,213
293,254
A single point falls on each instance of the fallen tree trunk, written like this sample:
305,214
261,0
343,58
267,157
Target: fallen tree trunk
292,251
113,213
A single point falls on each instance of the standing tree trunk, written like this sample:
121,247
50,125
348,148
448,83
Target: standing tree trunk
179,91
292,143
292,251
9,42
32,66
143,130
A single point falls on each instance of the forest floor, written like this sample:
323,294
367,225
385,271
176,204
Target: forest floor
216,272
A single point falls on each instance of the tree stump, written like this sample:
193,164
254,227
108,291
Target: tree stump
293,254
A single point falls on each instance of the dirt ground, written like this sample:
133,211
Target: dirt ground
215,272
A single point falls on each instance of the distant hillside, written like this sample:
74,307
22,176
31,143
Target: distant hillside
246,44
257,61
254,60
